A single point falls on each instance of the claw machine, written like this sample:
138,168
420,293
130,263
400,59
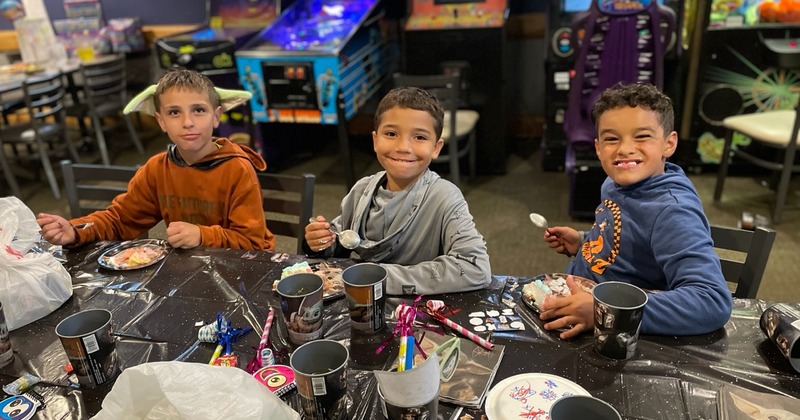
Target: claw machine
318,63
211,50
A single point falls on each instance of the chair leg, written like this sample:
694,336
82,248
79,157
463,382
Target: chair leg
472,156
454,162
723,167
48,170
70,147
101,140
783,186
10,179
133,134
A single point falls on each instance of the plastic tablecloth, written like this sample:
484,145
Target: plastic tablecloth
156,311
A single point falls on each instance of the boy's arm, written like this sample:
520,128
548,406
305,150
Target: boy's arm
697,299
128,216
463,265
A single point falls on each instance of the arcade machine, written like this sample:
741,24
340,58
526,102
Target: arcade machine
318,63
559,63
471,31
730,75
210,50
619,41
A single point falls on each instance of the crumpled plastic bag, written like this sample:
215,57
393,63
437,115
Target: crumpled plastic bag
32,285
183,390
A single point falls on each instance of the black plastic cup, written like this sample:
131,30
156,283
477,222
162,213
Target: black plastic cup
301,306
583,407
365,288
618,312
6,351
320,372
90,345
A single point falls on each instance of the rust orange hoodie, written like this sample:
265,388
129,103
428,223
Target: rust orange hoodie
220,194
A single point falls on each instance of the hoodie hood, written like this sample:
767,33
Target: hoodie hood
225,150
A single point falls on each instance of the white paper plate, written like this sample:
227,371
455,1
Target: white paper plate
529,395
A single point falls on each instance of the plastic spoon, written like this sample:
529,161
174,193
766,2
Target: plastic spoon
347,238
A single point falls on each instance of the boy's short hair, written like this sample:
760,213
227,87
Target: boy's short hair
636,95
177,78
412,98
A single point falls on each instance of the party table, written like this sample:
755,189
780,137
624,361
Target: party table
157,310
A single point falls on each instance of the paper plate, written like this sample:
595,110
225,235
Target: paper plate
132,255
528,396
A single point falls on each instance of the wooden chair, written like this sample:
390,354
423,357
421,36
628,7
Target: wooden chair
42,130
458,142
756,245
91,187
105,96
288,201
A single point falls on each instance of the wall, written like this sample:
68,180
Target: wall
151,12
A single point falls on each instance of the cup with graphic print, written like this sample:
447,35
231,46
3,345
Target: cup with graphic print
618,312
320,372
88,340
6,352
365,287
301,306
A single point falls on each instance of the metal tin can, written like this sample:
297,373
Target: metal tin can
6,352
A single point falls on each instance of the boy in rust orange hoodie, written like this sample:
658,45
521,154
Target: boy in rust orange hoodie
205,189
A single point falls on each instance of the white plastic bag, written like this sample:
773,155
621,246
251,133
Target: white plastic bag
182,390
32,285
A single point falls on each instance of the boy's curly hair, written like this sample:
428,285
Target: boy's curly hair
636,95
183,79
412,98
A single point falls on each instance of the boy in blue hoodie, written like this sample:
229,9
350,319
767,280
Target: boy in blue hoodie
650,229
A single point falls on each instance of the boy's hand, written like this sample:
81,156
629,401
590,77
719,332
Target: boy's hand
576,310
565,240
183,235
55,229
318,234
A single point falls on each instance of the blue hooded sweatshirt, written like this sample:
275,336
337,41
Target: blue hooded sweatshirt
655,235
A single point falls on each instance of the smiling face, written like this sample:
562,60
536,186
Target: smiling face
188,117
632,145
405,143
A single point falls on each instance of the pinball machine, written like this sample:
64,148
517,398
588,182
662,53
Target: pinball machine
317,63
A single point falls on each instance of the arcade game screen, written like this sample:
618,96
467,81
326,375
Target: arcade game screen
446,14
315,26
244,13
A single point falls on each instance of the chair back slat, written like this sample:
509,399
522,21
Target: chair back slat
747,273
91,187
459,141
287,201
104,79
445,88
44,97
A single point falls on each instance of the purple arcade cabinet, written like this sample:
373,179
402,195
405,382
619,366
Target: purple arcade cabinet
615,41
